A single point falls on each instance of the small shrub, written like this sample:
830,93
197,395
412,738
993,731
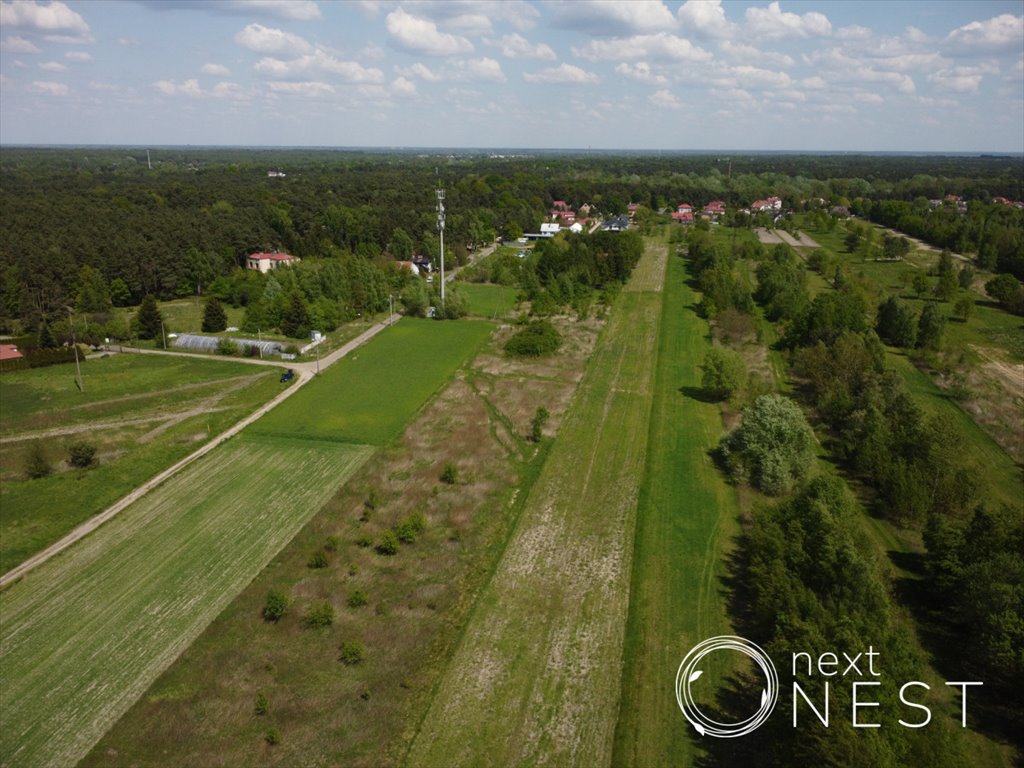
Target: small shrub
262,705
536,339
320,615
364,541
406,532
365,695
357,599
227,347
388,544
333,542
318,560
353,569
450,474
352,653
81,454
372,499
276,605
251,350
537,423
36,464
272,736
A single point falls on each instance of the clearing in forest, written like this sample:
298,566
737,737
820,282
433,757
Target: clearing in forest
536,676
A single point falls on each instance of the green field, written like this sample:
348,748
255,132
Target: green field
186,315
686,519
369,396
141,412
487,300
86,633
537,674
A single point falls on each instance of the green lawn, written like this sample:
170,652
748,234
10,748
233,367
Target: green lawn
369,396
186,315
487,300
536,677
86,633
141,412
686,520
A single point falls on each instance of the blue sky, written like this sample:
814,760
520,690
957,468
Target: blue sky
704,74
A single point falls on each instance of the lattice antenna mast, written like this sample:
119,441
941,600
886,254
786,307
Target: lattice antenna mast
440,229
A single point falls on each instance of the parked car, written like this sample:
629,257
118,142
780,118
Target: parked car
287,375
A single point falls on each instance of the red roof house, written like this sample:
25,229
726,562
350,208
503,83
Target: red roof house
264,262
9,352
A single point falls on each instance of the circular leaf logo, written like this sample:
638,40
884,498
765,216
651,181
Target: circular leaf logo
690,671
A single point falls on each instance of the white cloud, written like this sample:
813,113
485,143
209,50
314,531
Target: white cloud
749,53
998,33
54,17
665,99
129,42
215,69
227,90
814,83
616,17
915,35
869,97
515,46
81,56
186,88
567,74
422,71
294,10
854,32
765,78
403,86
707,17
641,72
19,45
308,89
951,80
662,46
474,17
772,22
262,39
417,35
475,70
470,24
49,88
319,61
53,66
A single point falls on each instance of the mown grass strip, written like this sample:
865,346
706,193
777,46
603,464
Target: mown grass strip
369,396
536,676
86,634
686,520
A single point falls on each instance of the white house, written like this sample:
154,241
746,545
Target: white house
264,262
549,229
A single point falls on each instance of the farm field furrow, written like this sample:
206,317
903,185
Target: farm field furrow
686,519
536,676
85,634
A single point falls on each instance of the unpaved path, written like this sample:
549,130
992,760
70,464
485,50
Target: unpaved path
1010,375
304,373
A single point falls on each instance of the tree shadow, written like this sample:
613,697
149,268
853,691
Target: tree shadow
699,394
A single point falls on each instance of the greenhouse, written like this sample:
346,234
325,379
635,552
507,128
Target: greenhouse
195,342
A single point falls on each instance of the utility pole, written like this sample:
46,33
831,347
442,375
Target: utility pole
440,229
391,308
163,334
74,344
318,358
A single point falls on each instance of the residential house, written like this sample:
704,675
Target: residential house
9,352
264,262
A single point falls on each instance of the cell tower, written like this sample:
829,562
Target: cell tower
440,229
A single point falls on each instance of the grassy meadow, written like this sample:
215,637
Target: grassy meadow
494,302
141,412
536,675
86,633
686,519
369,396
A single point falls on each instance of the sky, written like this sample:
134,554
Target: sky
818,75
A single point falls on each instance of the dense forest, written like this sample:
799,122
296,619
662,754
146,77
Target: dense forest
176,228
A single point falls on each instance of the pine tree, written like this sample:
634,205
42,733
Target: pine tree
214,317
295,323
149,319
